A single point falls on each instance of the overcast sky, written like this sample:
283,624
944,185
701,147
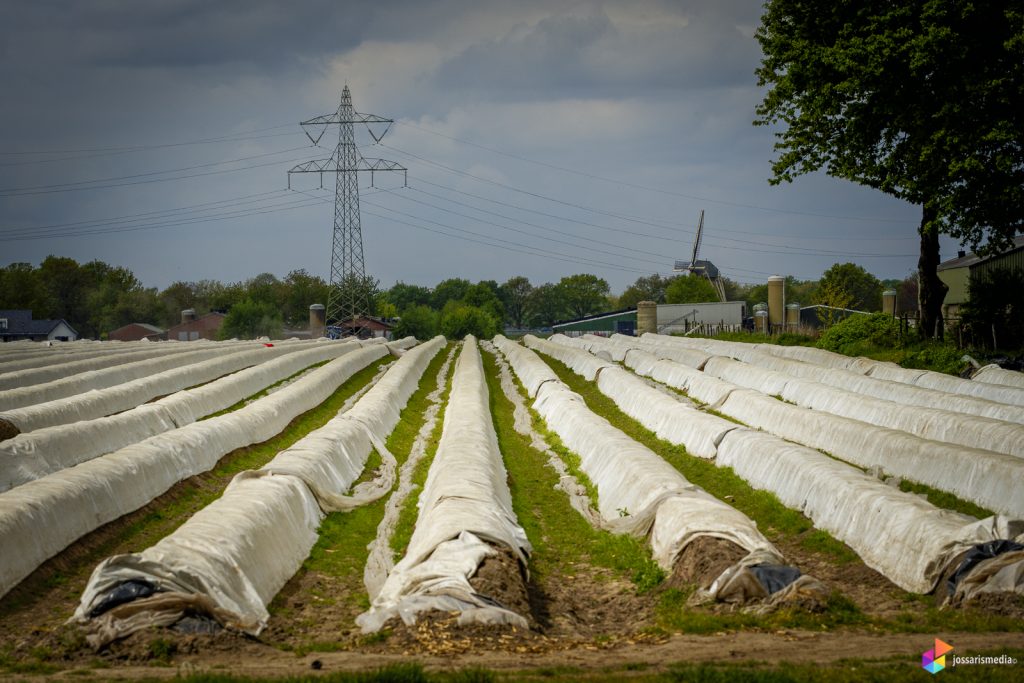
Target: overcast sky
542,139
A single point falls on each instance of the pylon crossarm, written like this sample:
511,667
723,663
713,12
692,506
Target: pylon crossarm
314,166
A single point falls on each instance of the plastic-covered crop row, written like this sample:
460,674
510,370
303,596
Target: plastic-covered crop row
109,377
640,493
880,382
902,536
670,417
465,516
532,371
993,374
905,538
44,516
55,356
115,399
985,477
231,558
927,379
32,455
935,424
52,371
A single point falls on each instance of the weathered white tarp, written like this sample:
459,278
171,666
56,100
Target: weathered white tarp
108,377
34,454
640,493
993,374
232,557
44,516
465,506
532,371
905,538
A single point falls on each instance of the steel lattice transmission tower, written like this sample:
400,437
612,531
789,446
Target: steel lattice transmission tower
348,298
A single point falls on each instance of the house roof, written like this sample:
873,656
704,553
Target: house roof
20,323
972,259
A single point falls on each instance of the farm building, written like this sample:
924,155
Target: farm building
956,273
18,325
621,322
192,327
671,318
137,332
367,327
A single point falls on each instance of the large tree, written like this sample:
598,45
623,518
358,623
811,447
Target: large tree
919,99
515,294
864,290
583,294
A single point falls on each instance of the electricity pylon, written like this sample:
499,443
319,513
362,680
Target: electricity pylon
348,298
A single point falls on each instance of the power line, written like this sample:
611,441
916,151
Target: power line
648,188
18,191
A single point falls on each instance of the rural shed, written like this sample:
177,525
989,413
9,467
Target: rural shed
18,325
683,317
191,328
956,273
621,322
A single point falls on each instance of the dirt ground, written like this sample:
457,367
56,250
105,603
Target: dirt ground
589,620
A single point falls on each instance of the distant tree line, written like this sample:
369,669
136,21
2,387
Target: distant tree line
96,298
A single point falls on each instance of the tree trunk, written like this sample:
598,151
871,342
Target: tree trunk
931,290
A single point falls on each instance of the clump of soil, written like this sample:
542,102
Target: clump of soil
1002,604
8,430
500,578
703,560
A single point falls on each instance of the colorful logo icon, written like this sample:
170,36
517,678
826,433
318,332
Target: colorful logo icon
934,661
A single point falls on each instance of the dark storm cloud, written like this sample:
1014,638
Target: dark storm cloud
592,53
184,33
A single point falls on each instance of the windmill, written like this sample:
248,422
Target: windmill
702,268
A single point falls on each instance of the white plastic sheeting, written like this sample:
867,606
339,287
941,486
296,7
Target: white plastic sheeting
882,380
44,516
929,423
34,454
465,506
666,415
233,556
100,402
532,371
638,491
109,377
584,364
11,379
993,374
53,356
902,536
989,479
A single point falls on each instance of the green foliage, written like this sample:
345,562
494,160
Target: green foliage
690,289
860,289
459,319
250,319
878,329
583,294
545,305
452,289
515,296
417,321
648,288
934,356
917,99
300,291
994,312
405,296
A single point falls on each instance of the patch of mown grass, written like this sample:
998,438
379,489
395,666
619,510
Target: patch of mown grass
561,537
772,517
393,673
932,619
341,549
263,392
943,499
410,510
191,495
